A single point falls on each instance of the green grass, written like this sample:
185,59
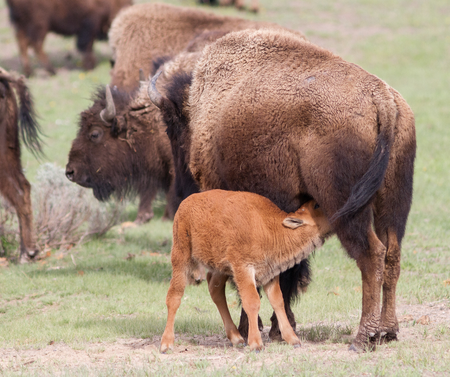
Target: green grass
103,297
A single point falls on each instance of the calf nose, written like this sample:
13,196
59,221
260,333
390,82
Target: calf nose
69,173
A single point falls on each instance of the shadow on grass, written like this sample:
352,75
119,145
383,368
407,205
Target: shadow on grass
323,333
147,269
152,325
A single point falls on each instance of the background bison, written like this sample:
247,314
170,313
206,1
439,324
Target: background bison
87,19
13,184
144,32
269,113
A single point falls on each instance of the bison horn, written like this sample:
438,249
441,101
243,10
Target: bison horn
109,112
153,93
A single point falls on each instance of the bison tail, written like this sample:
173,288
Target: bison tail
29,128
364,190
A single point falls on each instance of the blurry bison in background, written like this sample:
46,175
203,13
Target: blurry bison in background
143,32
13,184
254,7
87,19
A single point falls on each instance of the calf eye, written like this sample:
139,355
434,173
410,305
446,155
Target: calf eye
316,206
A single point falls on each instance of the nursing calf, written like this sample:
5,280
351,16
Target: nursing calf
244,236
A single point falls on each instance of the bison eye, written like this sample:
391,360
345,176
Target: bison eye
316,206
96,135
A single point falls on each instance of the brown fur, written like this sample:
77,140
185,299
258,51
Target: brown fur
143,32
87,19
13,184
247,237
272,114
132,152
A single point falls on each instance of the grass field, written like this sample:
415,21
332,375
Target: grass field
91,310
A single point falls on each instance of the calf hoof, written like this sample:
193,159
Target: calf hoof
237,340
257,347
165,348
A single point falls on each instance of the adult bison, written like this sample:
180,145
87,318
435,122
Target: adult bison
13,184
87,19
143,32
267,112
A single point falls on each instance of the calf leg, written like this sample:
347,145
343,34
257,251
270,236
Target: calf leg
216,286
173,301
16,190
275,297
246,285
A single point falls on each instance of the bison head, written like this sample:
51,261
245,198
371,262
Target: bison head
100,157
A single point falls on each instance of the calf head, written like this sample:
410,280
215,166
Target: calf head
101,156
311,214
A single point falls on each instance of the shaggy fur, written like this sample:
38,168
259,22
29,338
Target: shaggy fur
270,113
13,184
244,236
143,32
87,19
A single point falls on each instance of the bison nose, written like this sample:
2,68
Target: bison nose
69,173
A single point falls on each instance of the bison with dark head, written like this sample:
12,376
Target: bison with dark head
267,112
122,146
13,184
87,19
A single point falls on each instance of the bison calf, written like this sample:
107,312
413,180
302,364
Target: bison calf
247,237
13,184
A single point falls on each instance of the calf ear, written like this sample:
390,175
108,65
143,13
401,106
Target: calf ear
292,222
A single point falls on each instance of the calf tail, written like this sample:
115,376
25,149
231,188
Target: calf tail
364,190
29,128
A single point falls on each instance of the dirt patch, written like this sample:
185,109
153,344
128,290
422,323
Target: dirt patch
215,352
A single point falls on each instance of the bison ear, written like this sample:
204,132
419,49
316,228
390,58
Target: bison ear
292,222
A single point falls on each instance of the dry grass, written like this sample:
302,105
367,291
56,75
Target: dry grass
65,214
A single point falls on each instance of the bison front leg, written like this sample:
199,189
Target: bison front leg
145,211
